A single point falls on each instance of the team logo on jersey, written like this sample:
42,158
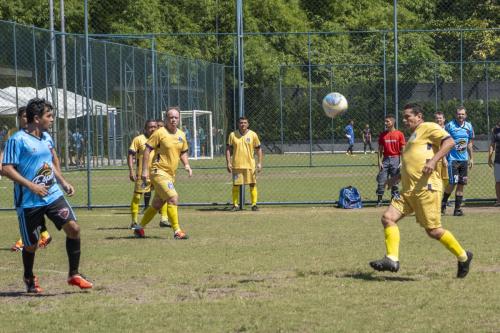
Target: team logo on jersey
63,213
44,176
247,140
170,186
461,145
180,139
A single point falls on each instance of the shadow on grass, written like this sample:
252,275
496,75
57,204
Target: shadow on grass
6,249
113,228
132,237
215,209
27,295
371,277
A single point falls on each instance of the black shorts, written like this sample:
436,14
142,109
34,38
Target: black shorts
457,171
32,219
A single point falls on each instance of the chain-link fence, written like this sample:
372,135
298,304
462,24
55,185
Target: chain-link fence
286,76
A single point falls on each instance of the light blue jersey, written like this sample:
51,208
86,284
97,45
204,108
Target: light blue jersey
32,158
349,131
462,136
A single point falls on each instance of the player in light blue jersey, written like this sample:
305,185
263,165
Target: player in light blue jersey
459,159
349,134
28,161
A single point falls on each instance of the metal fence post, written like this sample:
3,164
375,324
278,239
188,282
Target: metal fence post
309,82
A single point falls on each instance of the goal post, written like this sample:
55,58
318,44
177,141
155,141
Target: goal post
198,126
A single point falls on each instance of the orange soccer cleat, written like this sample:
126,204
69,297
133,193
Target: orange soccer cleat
80,281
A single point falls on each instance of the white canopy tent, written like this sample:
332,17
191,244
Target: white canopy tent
75,102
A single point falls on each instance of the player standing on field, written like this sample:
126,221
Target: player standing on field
367,138
391,143
421,191
349,134
242,145
136,149
169,144
459,159
28,162
45,237
442,166
495,162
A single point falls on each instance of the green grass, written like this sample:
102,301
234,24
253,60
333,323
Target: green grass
285,178
283,269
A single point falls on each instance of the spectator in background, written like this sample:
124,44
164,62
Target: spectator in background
202,137
77,142
189,140
367,138
349,134
495,163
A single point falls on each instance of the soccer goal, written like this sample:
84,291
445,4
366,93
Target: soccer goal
197,124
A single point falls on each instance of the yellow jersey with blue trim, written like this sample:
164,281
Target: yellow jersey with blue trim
168,148
137,147
243,149
422,145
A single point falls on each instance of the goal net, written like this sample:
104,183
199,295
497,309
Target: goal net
197,124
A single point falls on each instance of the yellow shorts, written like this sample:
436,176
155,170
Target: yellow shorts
426,204
164,186
138,188
244,176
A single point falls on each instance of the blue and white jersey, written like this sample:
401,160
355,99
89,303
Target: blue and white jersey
32,158
462,136
349,131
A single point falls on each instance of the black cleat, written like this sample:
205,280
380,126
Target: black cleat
379,204
255,208
133,225
463,267
235,209
165,224
385,264
458,212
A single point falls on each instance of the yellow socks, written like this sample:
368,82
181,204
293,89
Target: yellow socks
236,194
253,194
392,242
451,243
149,214
173,217
164,212
44,234
134,206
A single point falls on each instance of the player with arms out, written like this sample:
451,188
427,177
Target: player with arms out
136,150
242,145
28,161
169,144
421,191
459,159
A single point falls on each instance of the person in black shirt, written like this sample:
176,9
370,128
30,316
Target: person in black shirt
495,163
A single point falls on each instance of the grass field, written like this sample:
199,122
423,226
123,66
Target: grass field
282,269
285,178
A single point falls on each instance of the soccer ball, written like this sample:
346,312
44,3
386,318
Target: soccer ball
334,104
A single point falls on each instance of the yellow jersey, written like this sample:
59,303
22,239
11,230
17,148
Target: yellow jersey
243,149
421,147
137,147
167,148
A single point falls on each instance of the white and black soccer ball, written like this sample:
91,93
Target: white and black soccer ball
334,104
